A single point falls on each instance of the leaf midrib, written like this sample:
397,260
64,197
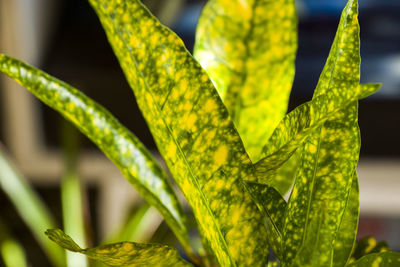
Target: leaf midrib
195,182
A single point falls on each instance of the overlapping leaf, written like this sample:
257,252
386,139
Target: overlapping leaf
273,207
383,259
301,123
329,158
248,48
368,245
123,253
192,130
345,236
117,142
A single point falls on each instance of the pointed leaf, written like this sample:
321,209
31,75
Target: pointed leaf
347,231
30,207
192,130
117,142
248,48
273,207
383,259
329,157
301,123
123,253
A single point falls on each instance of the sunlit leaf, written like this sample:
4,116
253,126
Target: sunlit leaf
368,245
329,158
301,123
383,259
30,207
117,142
123,253
273,207
347,231
282,179
192,130
248,48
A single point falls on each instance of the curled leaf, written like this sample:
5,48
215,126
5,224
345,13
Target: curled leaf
123,253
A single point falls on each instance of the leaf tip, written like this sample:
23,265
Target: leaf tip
62,239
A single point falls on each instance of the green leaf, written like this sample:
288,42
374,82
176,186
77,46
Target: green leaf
30,207
136,226
329,158
248,48
273,206
72,194
347,231
368,245
11,251
302,122
117,142
383,259
123,253
282,179
192,130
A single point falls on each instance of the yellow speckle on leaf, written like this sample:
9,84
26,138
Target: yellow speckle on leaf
221,155
210,105
128,246
191,120
377,262
171,150
313,149
371,244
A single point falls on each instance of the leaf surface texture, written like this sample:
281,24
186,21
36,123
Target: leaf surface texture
248,48
117,142
123,253
192,130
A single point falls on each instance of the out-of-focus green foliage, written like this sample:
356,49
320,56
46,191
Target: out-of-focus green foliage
225,138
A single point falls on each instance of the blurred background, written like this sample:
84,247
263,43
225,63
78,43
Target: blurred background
65,38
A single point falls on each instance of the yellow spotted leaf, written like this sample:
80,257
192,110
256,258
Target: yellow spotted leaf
347,231
192,130
123,253
117,142
329,157
368,245
248,48
383,259
273,207
301,123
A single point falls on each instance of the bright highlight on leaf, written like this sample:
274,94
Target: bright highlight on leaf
210,138
329,157
186,115
123,253
117,142
300,124
248,48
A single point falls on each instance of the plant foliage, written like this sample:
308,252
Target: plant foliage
223,133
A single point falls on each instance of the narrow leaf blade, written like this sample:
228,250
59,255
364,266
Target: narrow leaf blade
30,207
192,130
117,142
383,259
248,48
273,207
347,231
329,158
124,253
301,123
